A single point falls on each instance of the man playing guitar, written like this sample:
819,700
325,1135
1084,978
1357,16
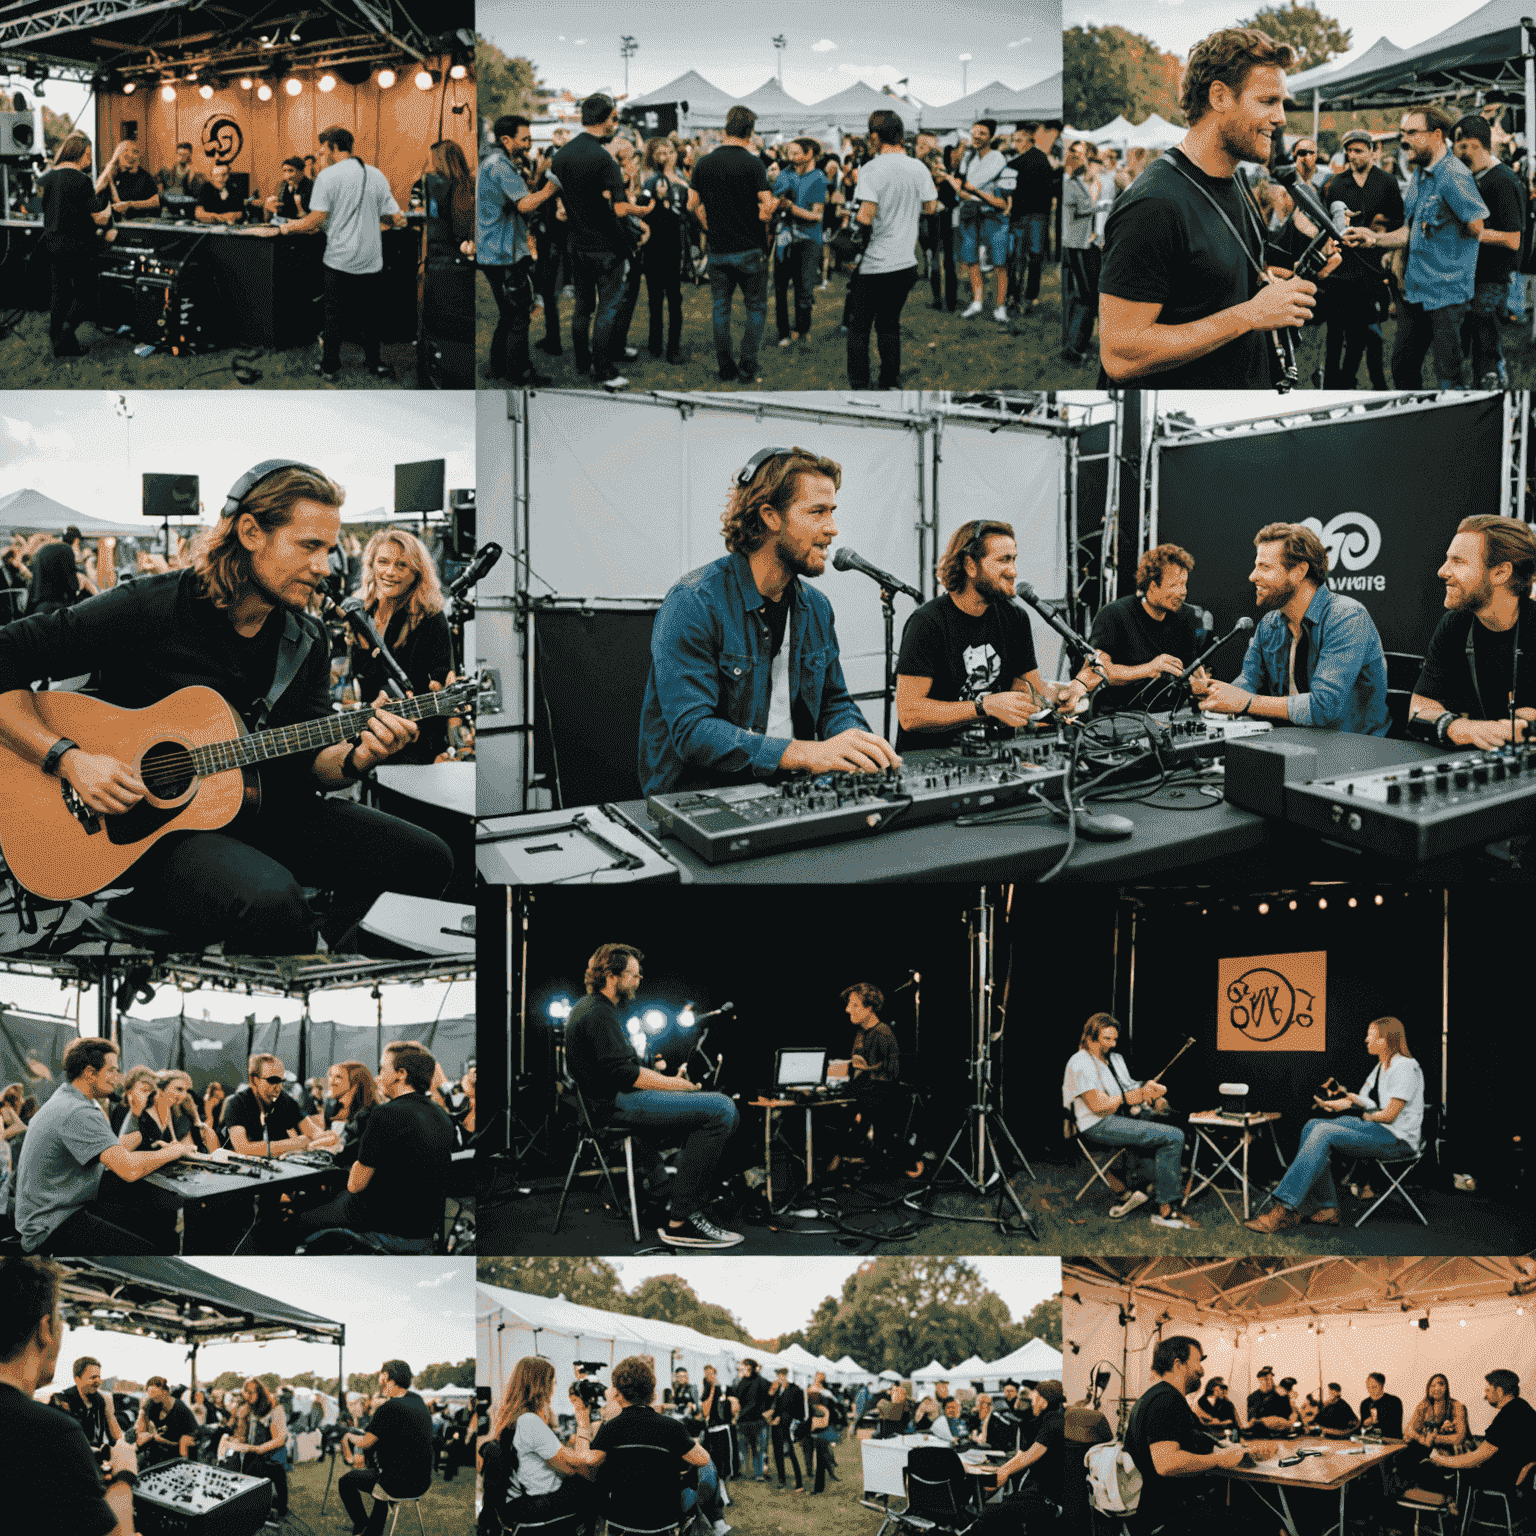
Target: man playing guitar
235,622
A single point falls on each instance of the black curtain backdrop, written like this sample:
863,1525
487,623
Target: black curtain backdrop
1386,492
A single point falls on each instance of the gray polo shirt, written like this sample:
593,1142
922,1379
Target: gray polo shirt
59,1169
354,197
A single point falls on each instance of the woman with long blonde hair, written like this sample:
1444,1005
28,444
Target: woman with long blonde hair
530,1477
169,1114
405,602
350,1086
260,1443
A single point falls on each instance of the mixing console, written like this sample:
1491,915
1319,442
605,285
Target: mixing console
187,1498
1424,810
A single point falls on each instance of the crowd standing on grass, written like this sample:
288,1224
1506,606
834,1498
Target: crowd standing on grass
599,213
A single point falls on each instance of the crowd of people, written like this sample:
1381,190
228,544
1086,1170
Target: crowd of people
1177,1445
78,1454
543,1461
1190,257
598,211
393,1132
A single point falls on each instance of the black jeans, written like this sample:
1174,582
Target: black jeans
244,886
512,288
664,289
876,301
1421,330
601,278
351,307
276,1474
1080,268
799,263
72,274
627,305
784,1446
718,1442
86,1233
818,1454
943,252
1029,1513
344,1211
1354,330
353,1487
546,280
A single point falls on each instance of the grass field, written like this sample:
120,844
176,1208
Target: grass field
759,1509
447,1510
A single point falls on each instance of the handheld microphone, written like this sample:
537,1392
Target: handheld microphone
1311,204
485,557
1340,213
1080,648
716,1013
355,612
844,559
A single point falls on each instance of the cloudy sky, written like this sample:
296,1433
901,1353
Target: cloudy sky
417,1310
773,1296
78,447
1177,25
576,45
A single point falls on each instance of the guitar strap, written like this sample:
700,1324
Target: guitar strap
291,651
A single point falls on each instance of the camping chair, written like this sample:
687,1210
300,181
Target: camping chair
940,1495
642,1492
1100,1172
589,1136
1395,1169
1427,1506
1507,1498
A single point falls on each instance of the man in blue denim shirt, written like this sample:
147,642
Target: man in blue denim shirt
1315,658
745,678
502,205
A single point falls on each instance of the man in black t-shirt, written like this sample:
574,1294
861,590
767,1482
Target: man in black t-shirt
1462,694
70,222
260,1115
126,187
1214,1407
1149,634
291,200
399,1438
1509,1443
1335,1418
749,1394
1036,185
1498,251
1041,1500
55,1483
1181,301
1357,292
596,199
90,1408
731,197
216,203
1380,1410
1268,1407
645,1484
166,1428
1171,1451
967,660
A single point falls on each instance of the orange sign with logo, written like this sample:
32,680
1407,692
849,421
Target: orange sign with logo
1272,1002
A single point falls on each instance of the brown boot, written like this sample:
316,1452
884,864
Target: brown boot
1325,1216
1275,1219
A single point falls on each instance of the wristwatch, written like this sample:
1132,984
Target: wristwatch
981,707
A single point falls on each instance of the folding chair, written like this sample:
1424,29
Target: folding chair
556,1525
589,1137
1507,1499
1395,1169
642,1493
1426,1505
939,1492
1100,1172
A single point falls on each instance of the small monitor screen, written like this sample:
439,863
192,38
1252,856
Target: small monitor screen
802,1068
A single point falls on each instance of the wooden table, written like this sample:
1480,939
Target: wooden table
1340,1463
1205,1123
770,1106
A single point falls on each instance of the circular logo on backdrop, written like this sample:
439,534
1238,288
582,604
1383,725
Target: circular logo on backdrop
1352,539
1264,1005
221,138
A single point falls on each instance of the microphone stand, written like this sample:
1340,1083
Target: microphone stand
888,677
1184,677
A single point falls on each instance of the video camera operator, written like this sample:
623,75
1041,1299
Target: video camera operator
1444,221
1186,291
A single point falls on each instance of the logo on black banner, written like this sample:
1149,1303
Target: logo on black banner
1263,1005
221,138
1353,542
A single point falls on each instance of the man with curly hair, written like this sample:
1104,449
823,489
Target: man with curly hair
745,677
1185,295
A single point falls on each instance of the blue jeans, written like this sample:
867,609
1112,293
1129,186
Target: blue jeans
1027,239
799,262
1480,334
1320,1138
601,287
1517,282
990,231
752,1438
1150,1140
747,270
704,1121
706,1498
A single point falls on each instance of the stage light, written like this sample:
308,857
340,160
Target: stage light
458,71
293,87
167,92
560,1008
1353,902
654,1021
327,82
1380,899
386,79
264,92
246,82
206,92
1263,909
1292,903
1322,903
686,1017
424,80
130,87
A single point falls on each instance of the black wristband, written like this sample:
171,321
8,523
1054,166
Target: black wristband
123,1475
348,771
1443,728
57,751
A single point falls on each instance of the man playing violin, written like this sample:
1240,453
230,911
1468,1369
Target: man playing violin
1111,1109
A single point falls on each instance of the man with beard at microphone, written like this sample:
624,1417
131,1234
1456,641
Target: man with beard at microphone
1358,294
1315,658
745,679
968,655
1185,297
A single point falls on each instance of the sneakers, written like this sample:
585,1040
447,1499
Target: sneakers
971,310
1129,1204
1177,1219
615,383
1000,314
786,341
698,1231
721,1528
631,352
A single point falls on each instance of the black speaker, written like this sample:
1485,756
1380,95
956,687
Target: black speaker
461,523
170,498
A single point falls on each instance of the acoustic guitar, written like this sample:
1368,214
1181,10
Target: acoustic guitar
194,756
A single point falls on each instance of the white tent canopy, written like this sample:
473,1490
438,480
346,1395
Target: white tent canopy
1034,1360
777,111
1005,105
849,1369
30,511
706,104
971,1369
932,1372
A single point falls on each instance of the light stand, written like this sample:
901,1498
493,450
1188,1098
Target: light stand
981,1125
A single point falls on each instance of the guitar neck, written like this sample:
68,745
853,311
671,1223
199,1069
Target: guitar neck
315,735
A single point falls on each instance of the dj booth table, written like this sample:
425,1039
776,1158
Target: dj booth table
267,290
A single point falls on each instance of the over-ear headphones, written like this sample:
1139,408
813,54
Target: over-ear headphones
254,476
986,528
750,468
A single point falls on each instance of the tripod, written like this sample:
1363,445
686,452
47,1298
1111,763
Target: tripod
981,1124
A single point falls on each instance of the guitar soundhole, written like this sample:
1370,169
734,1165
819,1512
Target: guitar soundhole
166,770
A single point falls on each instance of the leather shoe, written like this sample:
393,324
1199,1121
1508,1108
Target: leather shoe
1325,1216
1275,1219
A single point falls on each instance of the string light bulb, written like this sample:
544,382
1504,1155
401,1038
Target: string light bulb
293,87
386,79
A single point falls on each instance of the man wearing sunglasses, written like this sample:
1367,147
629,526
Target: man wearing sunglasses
1444,217
261,1112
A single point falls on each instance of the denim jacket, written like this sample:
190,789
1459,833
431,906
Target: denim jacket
1348,691
706,700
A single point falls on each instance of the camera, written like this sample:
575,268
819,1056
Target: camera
591,1392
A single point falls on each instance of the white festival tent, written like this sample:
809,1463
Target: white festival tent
706,104
931,1373
1040,102
1031,1361
972,1369
848,1369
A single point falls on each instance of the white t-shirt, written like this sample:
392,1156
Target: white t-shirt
988,173
781,723
535,1442
354,198
1086,1071
898,186
1403,1079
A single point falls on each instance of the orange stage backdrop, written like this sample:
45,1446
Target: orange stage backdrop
393,129
1272,1002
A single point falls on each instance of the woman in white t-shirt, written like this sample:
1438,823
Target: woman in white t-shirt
1390,1125
530,1476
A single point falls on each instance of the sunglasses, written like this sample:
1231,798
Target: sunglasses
272,1080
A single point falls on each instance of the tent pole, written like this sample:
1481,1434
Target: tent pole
192,1374
1317,103
1528,54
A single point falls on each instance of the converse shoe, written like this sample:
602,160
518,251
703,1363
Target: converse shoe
1129,1204
698,1231
1000,314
